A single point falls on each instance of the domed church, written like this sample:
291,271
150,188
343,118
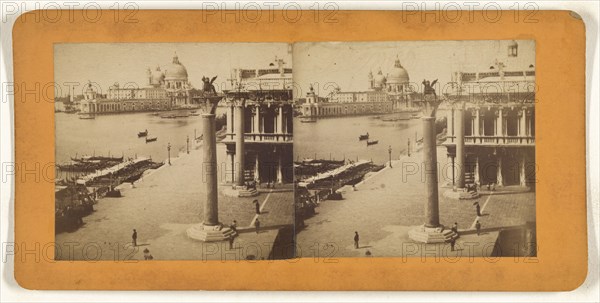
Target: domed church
166,89
174,80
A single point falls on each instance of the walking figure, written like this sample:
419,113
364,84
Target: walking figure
256,206
452,243
257,225
134,237
230,241
478,227
478,209
356,238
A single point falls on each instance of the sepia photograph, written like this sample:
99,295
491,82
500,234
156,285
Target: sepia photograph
174,151
415,147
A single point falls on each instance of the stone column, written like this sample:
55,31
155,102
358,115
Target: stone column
476,172
499,180
522,123
280,121
279,165
209,163
432,218
476,133
239,144
431,231
460,147
500,126
257,168
522,172
449,121
229,118
230,177
210,229
256,126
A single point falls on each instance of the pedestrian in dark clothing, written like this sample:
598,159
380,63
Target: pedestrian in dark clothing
452,243
478,227
478,209
257,225
230,242
455,227
356,238
256,206
233,226
134,237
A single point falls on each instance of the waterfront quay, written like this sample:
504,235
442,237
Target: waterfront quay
388,203
163,204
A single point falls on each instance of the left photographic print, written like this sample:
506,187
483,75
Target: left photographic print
174,151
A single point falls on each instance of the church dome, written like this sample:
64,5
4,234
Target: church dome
379,80
175,70
398,74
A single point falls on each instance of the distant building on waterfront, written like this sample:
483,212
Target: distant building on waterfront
386,94
496,107
265,98
164,90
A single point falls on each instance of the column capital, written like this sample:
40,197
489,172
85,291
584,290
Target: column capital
240,102
208,104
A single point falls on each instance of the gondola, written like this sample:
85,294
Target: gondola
151,139
143,134
98,158
372,142
363,137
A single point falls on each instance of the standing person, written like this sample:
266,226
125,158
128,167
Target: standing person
257,225
478,209
256,206
134,237
452,243
455,228
230,241
356,238
233,226
478,227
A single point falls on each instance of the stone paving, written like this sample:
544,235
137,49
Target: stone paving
161,206
389,203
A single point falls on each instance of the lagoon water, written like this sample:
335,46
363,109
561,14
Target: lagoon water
336,138
117,135
328,138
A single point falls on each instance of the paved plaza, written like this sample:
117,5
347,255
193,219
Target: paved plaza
385,206
162,206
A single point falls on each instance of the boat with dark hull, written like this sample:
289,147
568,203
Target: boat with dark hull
143,134
153,139
363,137
97,158
372,142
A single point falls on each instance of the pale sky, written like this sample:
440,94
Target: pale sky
107,63
347,64
325,64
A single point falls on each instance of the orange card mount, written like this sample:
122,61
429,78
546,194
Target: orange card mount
190,49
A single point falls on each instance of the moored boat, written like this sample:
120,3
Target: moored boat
308,120
143,134
363,137
372,142
151,139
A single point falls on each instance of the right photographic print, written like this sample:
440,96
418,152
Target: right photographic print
415,148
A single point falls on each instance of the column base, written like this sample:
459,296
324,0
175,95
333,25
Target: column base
207,233
430,235
239,191
460,194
